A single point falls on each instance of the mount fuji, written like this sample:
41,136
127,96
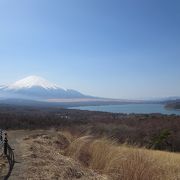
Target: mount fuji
37,88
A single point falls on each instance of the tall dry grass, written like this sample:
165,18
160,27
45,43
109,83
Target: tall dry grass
44,161
124,162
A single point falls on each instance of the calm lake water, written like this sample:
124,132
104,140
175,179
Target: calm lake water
131,108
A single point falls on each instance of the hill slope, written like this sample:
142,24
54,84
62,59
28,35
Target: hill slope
48,154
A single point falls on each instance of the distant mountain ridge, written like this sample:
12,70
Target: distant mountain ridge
37,88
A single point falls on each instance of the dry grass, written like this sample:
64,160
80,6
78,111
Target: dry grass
45,159
60,155
123,162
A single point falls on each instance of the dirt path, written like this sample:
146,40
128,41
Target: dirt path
20,151
15,139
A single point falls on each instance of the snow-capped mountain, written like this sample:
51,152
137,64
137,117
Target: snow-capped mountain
34,87
33,81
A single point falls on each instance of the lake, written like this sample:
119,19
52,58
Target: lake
131,108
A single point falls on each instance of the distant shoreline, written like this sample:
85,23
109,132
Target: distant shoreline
174,106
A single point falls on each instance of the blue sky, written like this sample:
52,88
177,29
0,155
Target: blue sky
109,48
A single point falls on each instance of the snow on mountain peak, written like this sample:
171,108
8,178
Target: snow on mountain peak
33,81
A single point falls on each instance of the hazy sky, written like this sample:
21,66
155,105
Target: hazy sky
108,48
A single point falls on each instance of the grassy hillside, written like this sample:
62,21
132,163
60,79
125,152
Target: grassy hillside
63,155
125,162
